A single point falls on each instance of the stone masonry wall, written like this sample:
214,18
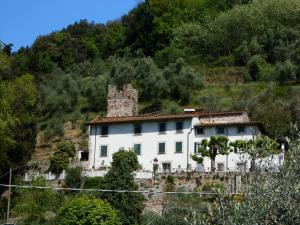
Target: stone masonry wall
122,102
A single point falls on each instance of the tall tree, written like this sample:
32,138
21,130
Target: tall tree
120,177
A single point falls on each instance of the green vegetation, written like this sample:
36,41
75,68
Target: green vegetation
176,55
120,177
60,160
36,206
215,146
84,210
217,55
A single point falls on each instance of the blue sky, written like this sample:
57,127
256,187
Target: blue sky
21,21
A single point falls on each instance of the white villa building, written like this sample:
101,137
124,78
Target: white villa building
170,140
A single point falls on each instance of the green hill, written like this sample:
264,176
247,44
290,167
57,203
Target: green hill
210,54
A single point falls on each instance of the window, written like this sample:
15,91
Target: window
104,131
166,167
103,151
178,147
137,149
137,129
162,128
241,130
220,166
220,130
196,147
241,166
162,148
199,130
84,156
179,126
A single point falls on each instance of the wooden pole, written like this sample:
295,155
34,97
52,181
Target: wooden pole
8,200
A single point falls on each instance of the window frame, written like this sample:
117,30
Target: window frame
241,132
176,142
141,129
159,153
196,144
177,130
217,130
140,144
223,165
196,131
103,156
165,128
104,135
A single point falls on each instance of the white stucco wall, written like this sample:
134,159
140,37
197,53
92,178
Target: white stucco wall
121,136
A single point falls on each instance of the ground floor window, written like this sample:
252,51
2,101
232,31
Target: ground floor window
220,167
84,156
166,167
103,151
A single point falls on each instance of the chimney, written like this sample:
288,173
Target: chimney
123,102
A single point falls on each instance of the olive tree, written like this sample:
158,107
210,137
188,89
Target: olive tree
211,148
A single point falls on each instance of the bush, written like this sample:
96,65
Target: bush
60,160
93,182
74,177
87,211
214,188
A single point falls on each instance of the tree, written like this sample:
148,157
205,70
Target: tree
285,71
86,210
150,80
120,177
268,196
261,147
181,80
254,67
74,177
33,206
216,145
60,160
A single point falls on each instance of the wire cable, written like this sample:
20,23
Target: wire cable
107,190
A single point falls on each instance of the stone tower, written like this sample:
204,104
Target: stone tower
122,102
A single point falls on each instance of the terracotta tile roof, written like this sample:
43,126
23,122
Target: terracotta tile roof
158,117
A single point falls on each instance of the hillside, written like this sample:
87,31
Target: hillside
211,54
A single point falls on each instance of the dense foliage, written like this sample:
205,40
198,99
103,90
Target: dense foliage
60,160
36,206
18,98
120,177
170,52
85,210
211,54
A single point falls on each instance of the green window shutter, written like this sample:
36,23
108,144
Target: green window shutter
178,147
161,148
103,151
137,149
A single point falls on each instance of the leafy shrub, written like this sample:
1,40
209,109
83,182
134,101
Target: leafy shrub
84,210
60,160
213,188
93,182
74,177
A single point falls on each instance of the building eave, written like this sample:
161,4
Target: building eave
158,117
